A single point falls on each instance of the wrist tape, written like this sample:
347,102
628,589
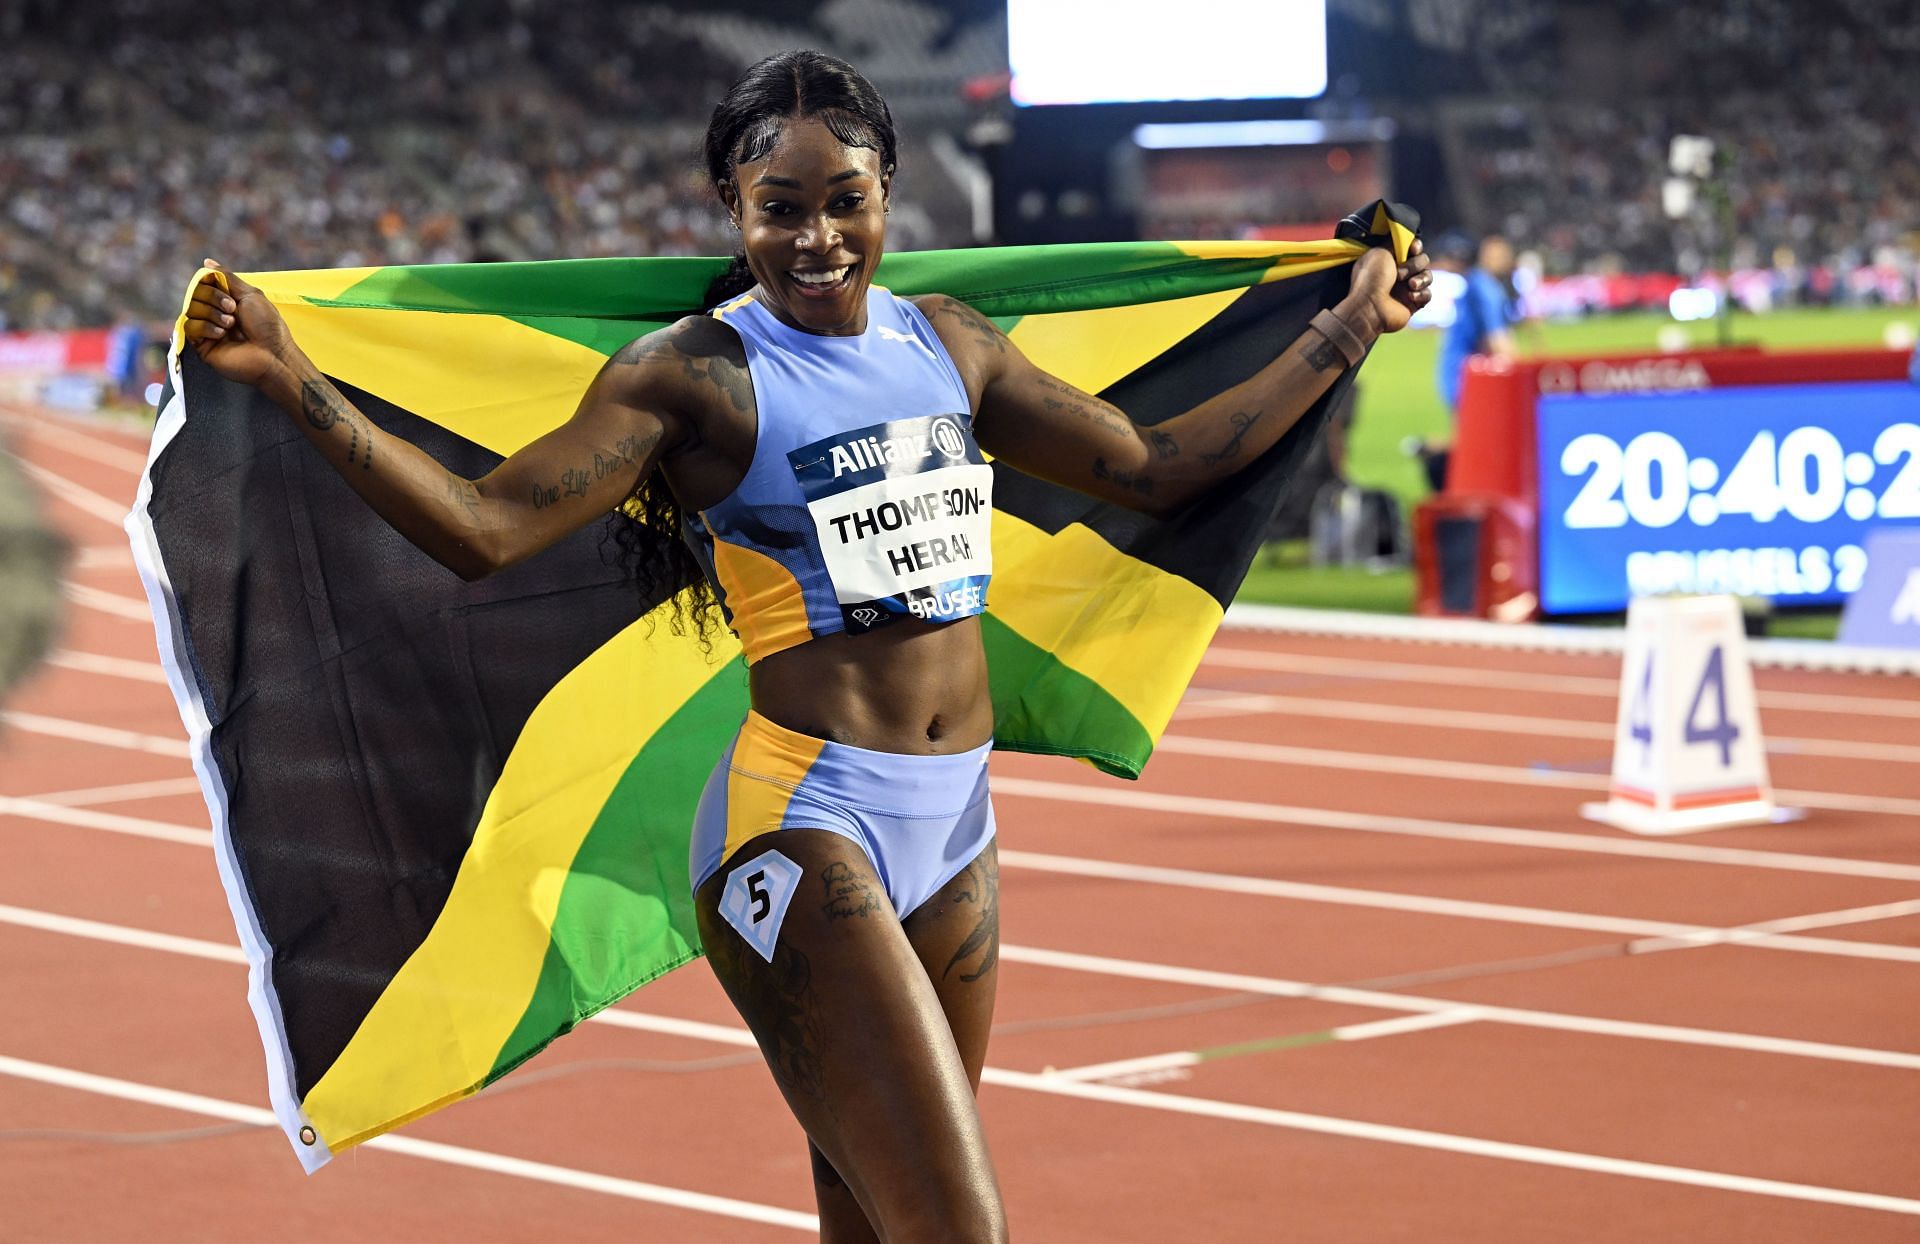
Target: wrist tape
1342,338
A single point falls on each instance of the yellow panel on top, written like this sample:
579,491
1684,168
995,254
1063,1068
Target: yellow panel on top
437,1028
1092,349
1288,260
493,381
315,284
1135,629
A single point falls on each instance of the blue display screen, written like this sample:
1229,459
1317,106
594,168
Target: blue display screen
1762,491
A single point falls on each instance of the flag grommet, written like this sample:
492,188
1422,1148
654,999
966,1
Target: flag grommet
308,1136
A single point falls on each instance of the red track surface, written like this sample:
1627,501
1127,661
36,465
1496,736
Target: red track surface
1551,939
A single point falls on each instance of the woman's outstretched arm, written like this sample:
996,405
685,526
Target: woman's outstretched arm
1049,428
631,416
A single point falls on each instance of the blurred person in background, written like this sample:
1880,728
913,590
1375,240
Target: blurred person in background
1486,311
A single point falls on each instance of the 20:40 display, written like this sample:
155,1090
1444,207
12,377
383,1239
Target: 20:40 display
1651,482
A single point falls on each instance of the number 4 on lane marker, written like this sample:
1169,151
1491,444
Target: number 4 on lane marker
1687,750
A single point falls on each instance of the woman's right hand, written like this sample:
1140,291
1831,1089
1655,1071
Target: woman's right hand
237,331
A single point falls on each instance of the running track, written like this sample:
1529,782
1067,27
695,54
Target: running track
1347,965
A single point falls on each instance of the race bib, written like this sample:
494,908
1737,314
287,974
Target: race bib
903,512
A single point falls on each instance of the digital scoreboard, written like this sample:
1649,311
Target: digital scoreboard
1144,51
1592,481
1755,491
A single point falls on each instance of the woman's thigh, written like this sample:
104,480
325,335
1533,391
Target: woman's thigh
853,1029
956,936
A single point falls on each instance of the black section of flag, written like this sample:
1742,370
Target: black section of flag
312,620
1212,541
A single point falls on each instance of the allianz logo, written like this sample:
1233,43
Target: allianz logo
943,436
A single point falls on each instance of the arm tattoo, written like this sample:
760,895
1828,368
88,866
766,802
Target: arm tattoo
321,403
982,329
723,374
462,492
323,407
644,349
1164,446
706,351
1125,479
1242,422
1077,403
1323,356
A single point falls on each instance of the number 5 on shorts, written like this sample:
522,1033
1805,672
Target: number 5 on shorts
755,899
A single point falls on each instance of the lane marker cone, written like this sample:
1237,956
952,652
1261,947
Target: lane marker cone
1687,750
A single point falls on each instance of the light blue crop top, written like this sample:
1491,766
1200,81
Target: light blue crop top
867,500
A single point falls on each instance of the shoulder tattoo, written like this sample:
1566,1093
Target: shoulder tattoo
704,351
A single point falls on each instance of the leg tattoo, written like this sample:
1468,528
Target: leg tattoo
979,884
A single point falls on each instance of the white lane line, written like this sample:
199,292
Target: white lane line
1052,1085
1127,1068
87,732
1514,723
111,822
1761,931
1114,795
95,556
1515,680
82,443
1153,1066
92,795
1474,771
432,1151
107,602
114,667
80,497
1131,969
1662,931
222,952
667,1025
120,934
1448,1142
1818,654
1520,1017
1407,1023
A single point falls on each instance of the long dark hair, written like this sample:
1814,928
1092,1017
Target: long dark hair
745,126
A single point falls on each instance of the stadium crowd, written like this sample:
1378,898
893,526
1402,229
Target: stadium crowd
137,135
1812,111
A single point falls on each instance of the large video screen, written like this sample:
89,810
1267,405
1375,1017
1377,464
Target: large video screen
1761,491
1138,51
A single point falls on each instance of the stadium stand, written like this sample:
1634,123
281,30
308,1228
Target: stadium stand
431,130
503,129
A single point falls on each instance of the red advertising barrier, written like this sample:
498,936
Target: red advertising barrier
46,354
1493,479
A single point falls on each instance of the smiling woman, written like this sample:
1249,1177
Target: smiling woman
819,447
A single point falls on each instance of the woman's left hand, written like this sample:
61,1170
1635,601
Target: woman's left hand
1393,291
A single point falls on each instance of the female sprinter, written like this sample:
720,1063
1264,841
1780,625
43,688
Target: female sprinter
843,855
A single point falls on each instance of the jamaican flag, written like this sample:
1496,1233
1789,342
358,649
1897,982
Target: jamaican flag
452,818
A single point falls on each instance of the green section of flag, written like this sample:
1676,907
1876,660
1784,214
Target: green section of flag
1036,698
626,913
1006,281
